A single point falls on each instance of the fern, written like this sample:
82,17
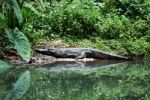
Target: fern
20,42
15,6
20,87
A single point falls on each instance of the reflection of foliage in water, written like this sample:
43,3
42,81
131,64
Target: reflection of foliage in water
18,89
4,66
126,81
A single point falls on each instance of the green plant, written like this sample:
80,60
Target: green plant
36,21
20,87
78,18
11,10
114,26
20,43
134,9
138,47
11,18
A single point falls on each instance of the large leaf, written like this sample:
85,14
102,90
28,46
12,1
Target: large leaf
15,6
20,87
21,43
4,66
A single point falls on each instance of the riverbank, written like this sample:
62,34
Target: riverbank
114,47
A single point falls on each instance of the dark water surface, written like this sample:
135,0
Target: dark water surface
83,81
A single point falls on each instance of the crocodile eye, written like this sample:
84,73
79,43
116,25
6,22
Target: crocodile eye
51,50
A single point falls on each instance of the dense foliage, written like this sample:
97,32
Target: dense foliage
121,26
10,26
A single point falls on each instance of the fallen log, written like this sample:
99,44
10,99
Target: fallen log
79,53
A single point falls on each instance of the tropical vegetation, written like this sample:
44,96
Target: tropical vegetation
120,26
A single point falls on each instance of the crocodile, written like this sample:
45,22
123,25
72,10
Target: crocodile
79,53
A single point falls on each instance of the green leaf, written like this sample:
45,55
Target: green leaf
15,6
17,11
20,42
41,4
4,66
30,7
2,21
20,87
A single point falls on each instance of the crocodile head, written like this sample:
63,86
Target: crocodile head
51,51
45,51
48,51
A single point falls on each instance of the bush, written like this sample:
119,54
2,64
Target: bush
87,18
132,8
114,27
130,47
78,18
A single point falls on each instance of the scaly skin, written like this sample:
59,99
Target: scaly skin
79,53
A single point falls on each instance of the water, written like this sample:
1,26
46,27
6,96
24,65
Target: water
83,81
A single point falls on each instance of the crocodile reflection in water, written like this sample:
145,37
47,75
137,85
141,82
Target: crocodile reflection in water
81,64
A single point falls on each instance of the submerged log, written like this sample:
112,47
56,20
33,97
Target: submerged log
79,53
